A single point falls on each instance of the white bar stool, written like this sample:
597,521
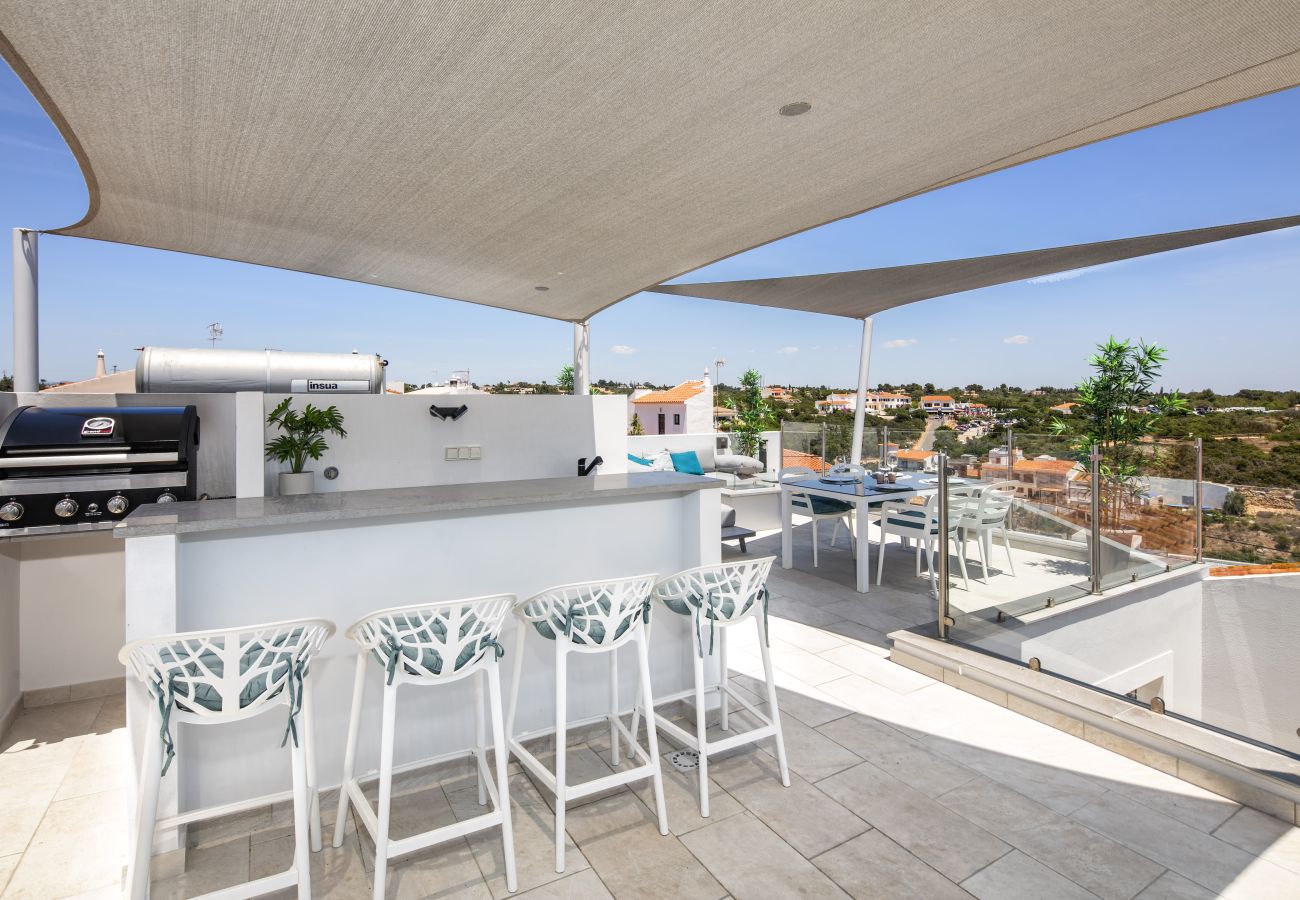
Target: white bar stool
590,617
219,676
717,598
428,645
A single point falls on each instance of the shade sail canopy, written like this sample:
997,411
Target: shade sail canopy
482,151
866,292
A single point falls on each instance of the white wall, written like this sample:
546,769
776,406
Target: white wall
699,411
10,686
649,415
395,442
1120,641
1252,657
72,602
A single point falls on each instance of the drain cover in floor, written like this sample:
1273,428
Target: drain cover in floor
684,760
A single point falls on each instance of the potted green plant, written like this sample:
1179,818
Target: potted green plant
302,438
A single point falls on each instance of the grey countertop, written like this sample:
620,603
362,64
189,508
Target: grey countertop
342,506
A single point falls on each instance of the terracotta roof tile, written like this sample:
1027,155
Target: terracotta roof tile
680,394
1047,466
799,458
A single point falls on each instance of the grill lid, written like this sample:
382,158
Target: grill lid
36,431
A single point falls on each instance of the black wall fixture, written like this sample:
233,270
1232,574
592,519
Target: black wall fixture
448,412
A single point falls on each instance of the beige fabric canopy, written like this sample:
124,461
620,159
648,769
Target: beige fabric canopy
484,151
866,292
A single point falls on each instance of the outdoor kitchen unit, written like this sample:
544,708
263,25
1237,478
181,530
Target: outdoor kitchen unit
76,468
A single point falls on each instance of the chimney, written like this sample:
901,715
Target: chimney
100,372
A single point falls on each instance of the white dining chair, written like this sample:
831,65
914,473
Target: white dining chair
988,516
818,508
910,521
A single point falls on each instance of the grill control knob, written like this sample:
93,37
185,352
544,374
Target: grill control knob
11,511
116,504
66,508
166,497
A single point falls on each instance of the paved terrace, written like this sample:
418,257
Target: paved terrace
901,787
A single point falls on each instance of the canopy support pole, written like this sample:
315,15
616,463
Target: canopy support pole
26,346
581,359
860,408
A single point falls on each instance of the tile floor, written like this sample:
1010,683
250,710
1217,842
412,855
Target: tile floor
901,787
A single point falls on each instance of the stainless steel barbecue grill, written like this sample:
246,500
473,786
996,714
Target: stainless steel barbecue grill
74,466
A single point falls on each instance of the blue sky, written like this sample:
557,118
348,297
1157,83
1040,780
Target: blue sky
1227,312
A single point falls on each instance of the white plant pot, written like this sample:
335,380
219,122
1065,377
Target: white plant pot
292,483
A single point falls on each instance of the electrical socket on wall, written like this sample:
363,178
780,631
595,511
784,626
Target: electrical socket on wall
456,454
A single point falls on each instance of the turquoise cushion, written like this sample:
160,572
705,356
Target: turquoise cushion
585,629
190,694
640,460
428,658
687,462
822,506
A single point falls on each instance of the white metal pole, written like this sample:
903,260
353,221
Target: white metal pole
26,347
581,359
860,409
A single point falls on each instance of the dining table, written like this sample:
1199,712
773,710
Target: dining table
862,495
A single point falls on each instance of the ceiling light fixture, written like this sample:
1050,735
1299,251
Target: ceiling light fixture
541,287
798,108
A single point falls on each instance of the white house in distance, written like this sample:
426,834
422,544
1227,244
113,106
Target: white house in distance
838,403
684,409
876,402
777,394
886,402
937,403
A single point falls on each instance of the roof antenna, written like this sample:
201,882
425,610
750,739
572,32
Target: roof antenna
215,332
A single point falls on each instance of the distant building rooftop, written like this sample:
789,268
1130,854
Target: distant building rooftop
680,394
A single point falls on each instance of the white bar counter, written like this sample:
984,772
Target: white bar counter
221,563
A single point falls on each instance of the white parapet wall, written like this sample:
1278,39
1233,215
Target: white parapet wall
1122,641
1251,648
395,441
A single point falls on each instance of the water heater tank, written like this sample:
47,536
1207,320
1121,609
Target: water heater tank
166,370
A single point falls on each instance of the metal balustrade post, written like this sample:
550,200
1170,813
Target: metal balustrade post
884,448
942,539
1197,499
1094,565
823,446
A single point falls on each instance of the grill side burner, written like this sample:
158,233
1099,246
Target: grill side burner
74,466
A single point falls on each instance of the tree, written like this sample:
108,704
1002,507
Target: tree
564,381
1118,406
753,415
636,428
1234,504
